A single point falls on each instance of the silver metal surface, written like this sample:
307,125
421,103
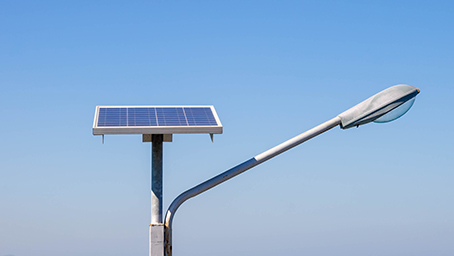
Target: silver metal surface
156,240
156,226
295,141
238,170
157,130
156,179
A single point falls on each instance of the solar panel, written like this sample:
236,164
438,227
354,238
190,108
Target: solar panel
156,120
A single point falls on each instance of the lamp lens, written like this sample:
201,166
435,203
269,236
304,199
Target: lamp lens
396,113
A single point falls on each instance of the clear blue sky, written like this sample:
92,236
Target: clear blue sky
272,69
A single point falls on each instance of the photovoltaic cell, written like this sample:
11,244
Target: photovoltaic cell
155,116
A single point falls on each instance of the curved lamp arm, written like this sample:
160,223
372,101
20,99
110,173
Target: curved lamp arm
204,186
367,111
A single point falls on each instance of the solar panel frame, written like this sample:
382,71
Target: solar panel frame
163,129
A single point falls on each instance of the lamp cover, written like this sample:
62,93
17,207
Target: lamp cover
377,105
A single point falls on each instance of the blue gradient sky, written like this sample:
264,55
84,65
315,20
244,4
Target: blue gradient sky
272,69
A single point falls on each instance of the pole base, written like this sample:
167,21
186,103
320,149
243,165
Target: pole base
157,239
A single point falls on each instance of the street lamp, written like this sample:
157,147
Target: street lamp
385,106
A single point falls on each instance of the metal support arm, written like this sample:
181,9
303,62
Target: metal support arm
202,187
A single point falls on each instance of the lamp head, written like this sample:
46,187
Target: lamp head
385,106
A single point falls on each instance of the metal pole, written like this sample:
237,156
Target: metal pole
156,247
202,187
156,179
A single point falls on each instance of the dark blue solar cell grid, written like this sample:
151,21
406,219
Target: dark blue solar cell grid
156,117
141,117
199,116
170,117
112,117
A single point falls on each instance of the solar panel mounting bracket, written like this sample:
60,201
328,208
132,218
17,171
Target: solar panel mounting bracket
166,138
